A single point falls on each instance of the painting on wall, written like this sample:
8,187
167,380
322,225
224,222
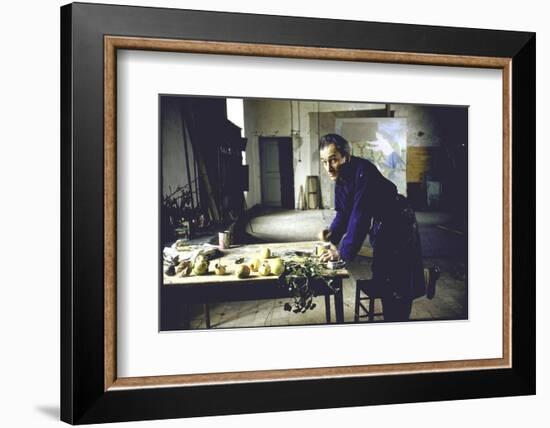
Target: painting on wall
383,141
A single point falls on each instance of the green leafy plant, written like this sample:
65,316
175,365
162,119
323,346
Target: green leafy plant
300,278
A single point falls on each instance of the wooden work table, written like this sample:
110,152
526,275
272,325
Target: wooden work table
178,292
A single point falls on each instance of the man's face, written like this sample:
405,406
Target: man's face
332,160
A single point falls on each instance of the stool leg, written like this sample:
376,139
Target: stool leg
357,297
207,314
327,308
371,308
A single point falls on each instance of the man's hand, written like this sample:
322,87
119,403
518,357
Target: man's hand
330,254
324,235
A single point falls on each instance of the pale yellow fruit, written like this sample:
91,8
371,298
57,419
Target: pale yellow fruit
183,266
265,269
200,269
255,265
200,259
219,270
265,253
243,271
320,250
277,267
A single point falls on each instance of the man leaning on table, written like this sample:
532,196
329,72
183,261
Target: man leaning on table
368,203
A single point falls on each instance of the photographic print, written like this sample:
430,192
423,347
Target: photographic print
281,212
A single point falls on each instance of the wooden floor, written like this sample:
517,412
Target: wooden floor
440,246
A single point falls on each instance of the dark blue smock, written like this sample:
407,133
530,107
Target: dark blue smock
367,202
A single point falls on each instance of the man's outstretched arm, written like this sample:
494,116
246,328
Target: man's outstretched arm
359,222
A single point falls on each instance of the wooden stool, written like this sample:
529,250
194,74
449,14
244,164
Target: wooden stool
371,292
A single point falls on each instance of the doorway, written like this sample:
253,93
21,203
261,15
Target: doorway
277,172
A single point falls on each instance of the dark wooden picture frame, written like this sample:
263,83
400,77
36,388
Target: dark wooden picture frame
90,389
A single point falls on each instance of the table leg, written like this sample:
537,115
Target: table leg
207,314
372,300
186,317
327,307
339,301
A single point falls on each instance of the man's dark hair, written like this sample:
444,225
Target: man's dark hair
340,142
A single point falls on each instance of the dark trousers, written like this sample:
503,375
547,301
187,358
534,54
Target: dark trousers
396,309
397,260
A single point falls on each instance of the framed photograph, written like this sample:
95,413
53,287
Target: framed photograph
320,213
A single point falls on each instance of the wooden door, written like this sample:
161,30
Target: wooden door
270,172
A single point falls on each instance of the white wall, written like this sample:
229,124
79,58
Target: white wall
30,215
